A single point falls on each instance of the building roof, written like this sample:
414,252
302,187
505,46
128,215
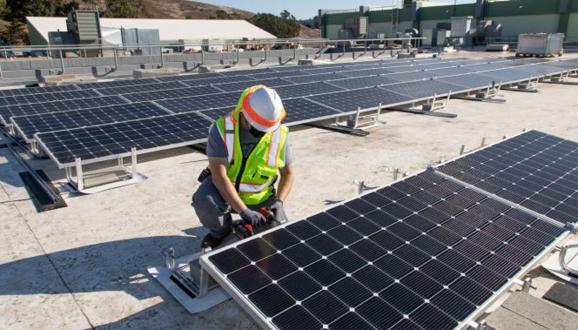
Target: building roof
169,29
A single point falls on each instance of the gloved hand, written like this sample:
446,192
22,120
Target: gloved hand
279,211
255,218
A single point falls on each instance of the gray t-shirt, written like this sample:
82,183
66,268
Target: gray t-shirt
216,146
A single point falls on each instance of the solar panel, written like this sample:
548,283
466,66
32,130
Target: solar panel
301,110
214,114
541,69
171,93
141,88
202,102
367,98
450,71
239,86
423,88
57,106
36,90
411,76
98,143
535,170
358,73
572,65
40,98
217,80
54,121
385,260
191,77
314,77
306,90
118,83
507,75
362,82
471,80
277,74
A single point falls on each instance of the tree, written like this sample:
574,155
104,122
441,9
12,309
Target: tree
281,27
63,7
19,9
15,33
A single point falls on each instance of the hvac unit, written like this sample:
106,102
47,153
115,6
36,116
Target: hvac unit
85,27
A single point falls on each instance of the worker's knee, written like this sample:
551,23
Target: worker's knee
207,201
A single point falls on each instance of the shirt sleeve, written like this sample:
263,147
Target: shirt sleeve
215,145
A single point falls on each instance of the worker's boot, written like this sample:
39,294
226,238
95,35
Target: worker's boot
211,241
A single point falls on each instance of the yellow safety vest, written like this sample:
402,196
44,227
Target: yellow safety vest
253,178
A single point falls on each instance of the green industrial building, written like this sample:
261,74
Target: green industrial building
511,17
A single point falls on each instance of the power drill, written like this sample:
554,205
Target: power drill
244,229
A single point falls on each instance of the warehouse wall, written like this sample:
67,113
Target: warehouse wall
572,34
516,16
512,26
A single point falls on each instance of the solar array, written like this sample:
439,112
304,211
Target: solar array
427,252
329,91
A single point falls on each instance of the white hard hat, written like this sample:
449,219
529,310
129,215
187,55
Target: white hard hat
263,109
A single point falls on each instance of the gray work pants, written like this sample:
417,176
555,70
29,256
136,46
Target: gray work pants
213,211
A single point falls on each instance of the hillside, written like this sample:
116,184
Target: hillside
185,9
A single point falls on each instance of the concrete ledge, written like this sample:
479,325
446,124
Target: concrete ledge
505,319
541,312
52,80
150,73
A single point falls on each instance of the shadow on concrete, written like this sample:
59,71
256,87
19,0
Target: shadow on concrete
111,266
9,169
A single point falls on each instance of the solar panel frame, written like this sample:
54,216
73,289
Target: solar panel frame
27,126
37,90
200,135
57,106
47,97
267,322
506,199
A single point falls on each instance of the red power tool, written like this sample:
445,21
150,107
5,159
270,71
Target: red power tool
244,229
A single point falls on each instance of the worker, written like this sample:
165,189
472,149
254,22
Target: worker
247,149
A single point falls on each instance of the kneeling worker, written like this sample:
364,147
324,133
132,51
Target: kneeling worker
246,149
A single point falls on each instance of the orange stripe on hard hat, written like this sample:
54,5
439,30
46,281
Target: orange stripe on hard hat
258,119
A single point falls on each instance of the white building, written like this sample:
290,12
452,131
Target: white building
170,30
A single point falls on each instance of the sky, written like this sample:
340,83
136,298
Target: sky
303,9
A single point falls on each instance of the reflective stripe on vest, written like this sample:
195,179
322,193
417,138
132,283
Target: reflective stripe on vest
274,147
229,138
253,188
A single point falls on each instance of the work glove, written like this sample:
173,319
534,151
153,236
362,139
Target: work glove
279,211
255,218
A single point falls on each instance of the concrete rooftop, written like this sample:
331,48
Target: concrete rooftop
84,266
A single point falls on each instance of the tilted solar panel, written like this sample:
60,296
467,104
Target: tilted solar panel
98,143
306,89
423,253
535,170
423,88
367,98
171,93
55,121
50,97
158,86
37,90
57,106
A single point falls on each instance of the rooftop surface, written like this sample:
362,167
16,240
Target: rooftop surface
84,266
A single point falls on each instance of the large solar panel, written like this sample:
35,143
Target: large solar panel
535,170
54,121
362,82
202,102
37,90
191,77
141,88
507,75
423,88
411,76
171,93
314,77
217,80
118,83
367,98
57,106
98,143
423,253
472,80
306,89
541,69
301,110
49,97
241,85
